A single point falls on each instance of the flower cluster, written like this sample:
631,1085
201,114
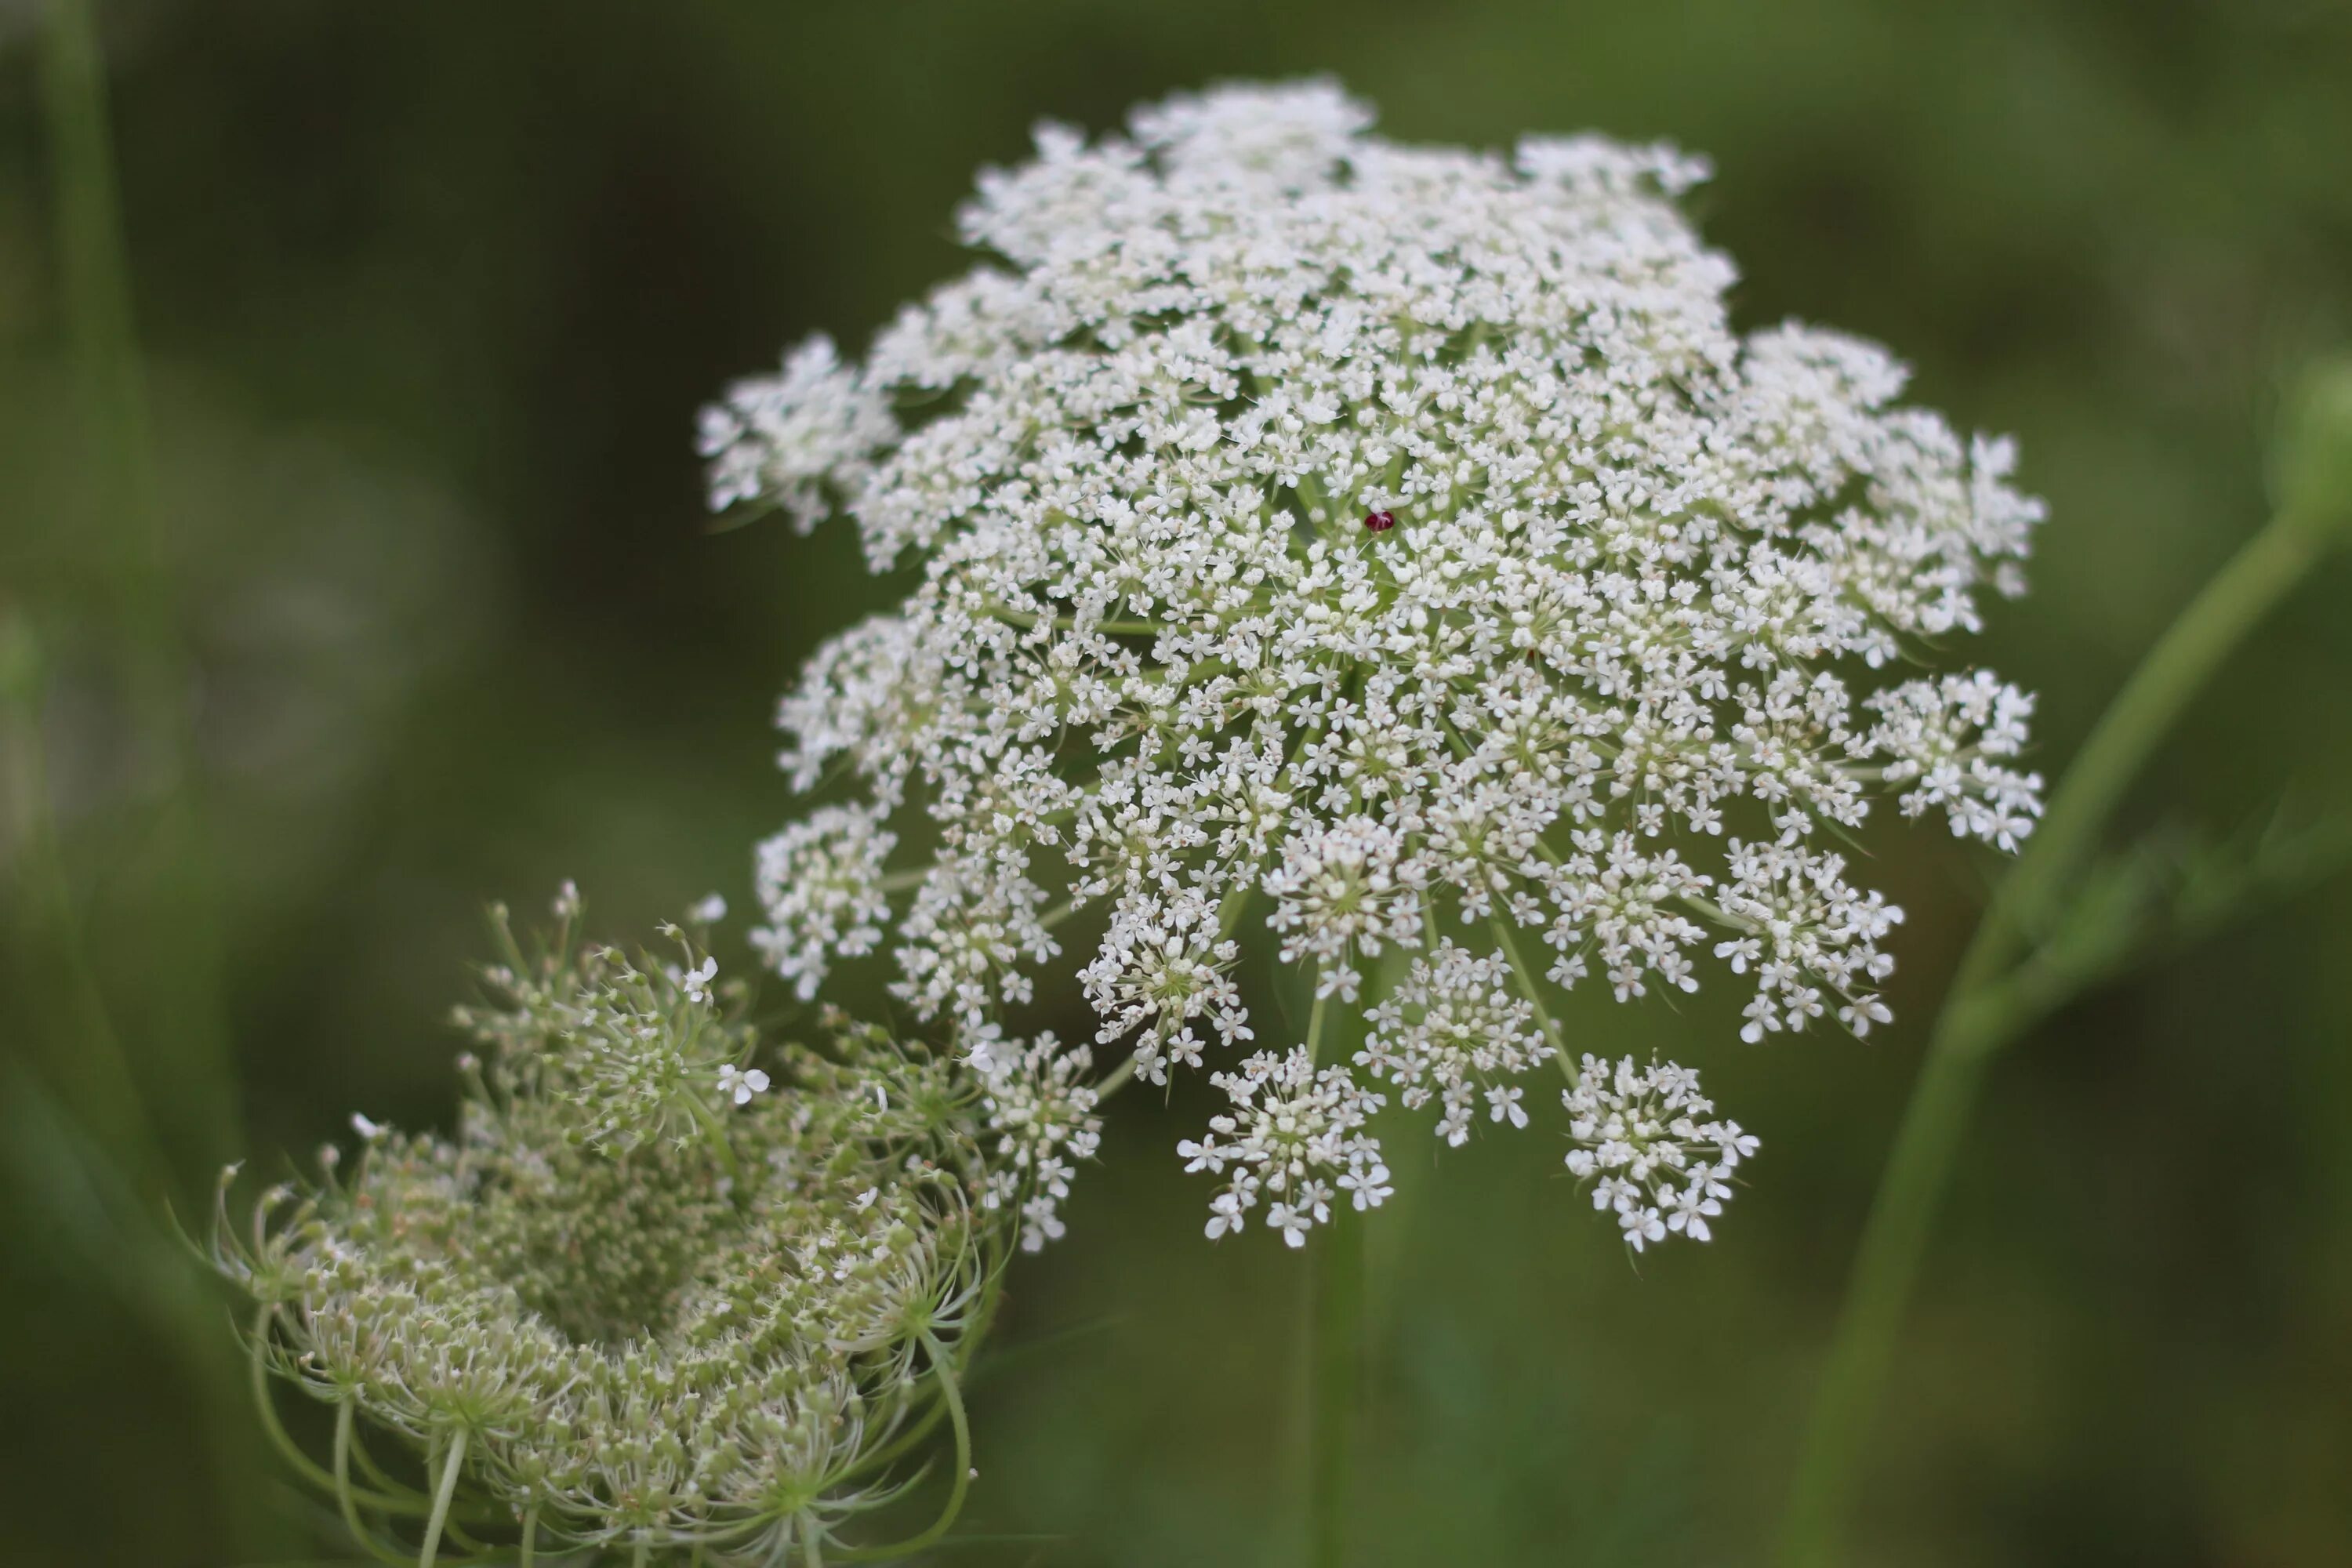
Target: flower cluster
1454,1029
1660,1168
650,1299
1295,1132
1350,541
1043,1113
1165,963
820,882
629,1046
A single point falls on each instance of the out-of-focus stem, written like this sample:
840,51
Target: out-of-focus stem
96,1075
1336,1352
93,276
154,1091
183,1052
1973,1024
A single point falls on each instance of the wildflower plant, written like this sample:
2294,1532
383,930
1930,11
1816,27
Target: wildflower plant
1392,555
650,1299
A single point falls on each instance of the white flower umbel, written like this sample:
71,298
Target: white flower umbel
1354,539
1162,967
1295,1134
1043,1113
820,882
1650,1160
1454,1028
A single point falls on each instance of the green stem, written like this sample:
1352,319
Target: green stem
943,1369
1533,993
1114,1080
338,1480
94,274
441,1496
1335,1350
1317,1013
1335,1329
714,1131
346,1498
2168,679
1972,1026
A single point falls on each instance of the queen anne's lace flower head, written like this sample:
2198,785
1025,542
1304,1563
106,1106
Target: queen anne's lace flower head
1393,547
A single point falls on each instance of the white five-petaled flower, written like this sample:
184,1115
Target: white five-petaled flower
740,1085
696,982
1356,540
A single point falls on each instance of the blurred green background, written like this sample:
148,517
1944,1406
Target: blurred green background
429,294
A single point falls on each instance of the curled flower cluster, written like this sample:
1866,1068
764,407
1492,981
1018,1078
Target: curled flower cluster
1355,541
1660,1169
649,1299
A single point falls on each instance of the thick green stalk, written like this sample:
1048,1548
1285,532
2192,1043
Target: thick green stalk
1973,1024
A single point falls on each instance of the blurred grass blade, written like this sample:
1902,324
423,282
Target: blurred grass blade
67,1193
58,1001
178,1041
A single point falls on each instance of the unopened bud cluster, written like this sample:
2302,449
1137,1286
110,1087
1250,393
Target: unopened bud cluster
650,1297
